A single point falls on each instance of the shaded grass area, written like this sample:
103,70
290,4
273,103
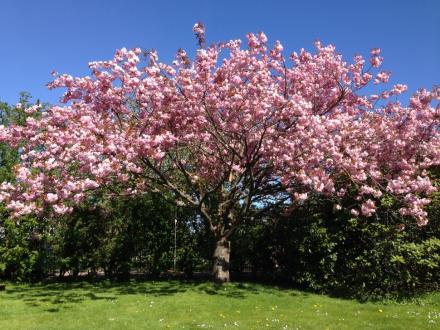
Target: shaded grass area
196,305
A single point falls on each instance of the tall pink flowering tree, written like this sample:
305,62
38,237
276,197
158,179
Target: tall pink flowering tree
234,129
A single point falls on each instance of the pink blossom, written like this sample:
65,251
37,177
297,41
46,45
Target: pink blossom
51,198
354,212
301,197
199,28
262,37
278,47
61,209
232,118
368,208
33,109
375,51
376,61
399,89
382,77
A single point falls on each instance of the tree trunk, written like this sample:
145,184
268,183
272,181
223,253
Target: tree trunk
222,252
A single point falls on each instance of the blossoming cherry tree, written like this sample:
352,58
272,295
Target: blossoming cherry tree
233,130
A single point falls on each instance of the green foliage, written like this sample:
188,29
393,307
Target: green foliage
124,235
117,236
10,115
23,252
327,250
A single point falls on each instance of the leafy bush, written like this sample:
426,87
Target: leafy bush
24,254
124,235
326,250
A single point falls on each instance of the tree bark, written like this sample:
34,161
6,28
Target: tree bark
222,252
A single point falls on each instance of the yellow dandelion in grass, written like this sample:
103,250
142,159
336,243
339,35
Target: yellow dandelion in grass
221,315
380,311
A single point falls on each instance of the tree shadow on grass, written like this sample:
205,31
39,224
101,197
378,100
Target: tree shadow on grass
57,294
60,295
231,290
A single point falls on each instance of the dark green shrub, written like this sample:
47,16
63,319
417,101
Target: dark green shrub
326,250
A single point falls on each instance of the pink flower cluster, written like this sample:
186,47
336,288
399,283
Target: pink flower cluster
199,28
231,117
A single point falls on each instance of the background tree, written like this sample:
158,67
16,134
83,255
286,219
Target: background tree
232,130
22,252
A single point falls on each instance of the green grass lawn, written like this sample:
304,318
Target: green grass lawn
178,305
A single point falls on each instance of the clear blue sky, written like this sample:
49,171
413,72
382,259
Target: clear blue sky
39,36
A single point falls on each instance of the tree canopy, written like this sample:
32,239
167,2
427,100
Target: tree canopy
234,128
